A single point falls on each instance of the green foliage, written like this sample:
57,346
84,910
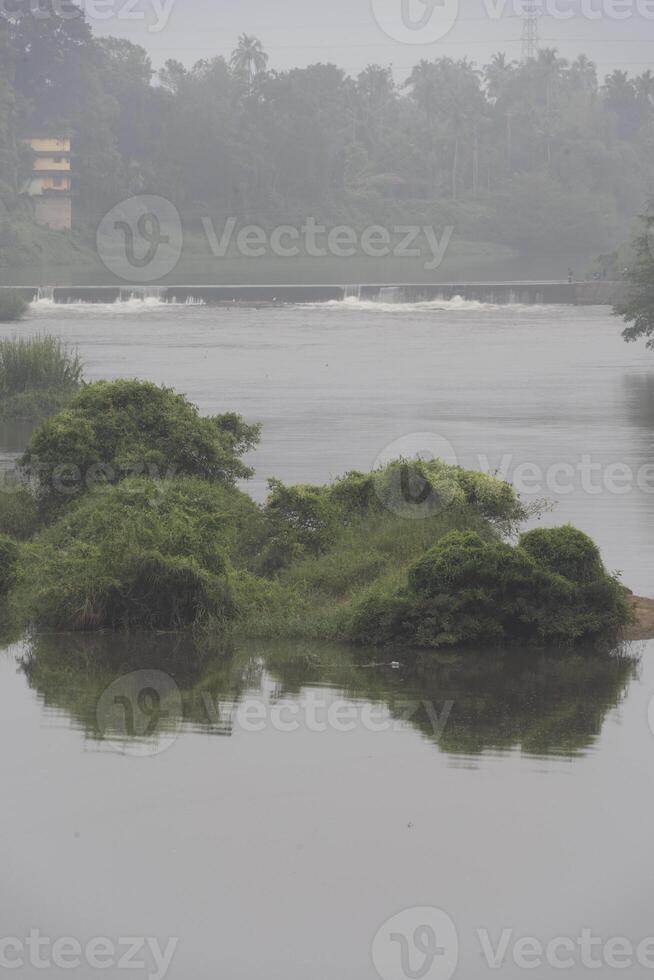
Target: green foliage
299,520
9,552
467,590
114,429
498,152
19,511
12,306
305,521
565,551
410,553
38,376
140,554
638,309
37,362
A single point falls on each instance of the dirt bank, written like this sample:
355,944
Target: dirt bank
644,628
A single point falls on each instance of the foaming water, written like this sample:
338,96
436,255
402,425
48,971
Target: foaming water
133,305
350,304
455,305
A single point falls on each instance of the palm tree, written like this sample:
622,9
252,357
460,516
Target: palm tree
249,57
497,75
645,88
584,71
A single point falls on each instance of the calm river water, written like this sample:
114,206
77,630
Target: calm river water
291,802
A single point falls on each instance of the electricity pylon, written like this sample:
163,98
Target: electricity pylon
530,37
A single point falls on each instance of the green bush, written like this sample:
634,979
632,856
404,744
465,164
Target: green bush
565,551
299,521
9,552
467,590
306,521
12,306
19,511
140,554
115,429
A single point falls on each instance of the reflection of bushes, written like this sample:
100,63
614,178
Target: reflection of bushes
551,704
70,672
499,700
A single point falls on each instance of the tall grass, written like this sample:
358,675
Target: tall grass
38,376
36,363
12,305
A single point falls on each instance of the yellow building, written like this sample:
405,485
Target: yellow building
50,183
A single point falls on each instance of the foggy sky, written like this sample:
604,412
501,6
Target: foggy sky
302,32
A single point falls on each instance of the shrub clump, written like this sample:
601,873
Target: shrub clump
9,552
306,521
38,376
551,588
12,306
19,511
115,429
140,554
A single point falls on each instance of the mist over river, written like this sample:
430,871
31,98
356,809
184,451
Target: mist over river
512,791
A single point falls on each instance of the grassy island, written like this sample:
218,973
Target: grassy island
134,519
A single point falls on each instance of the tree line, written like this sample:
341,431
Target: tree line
541,156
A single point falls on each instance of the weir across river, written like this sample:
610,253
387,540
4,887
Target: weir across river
592,293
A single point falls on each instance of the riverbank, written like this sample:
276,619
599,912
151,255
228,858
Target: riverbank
644,627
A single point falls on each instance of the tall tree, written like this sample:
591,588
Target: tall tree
638,309
249,58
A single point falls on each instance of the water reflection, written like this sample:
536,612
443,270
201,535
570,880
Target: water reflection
138,692
639,391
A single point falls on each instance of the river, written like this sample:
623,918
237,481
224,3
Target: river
294,801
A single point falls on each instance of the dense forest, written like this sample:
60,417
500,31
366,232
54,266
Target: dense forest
542,158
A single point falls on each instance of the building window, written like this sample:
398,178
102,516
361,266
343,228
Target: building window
58,181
